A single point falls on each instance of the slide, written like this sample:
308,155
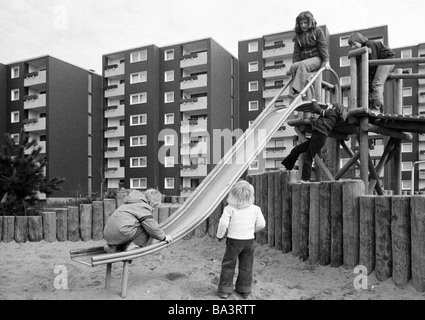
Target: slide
214,188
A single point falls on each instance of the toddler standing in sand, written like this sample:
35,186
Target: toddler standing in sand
241,218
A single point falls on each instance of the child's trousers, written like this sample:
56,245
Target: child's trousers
244,251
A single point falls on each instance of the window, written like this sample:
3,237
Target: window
253,66
407,92
169,76
254,165
169,54
343,162
344,61
15,137
169,183
138,98
169,140
169,118
139,162
138,120
345,81
138,141
253,106
15,95
169,97
407,110
138,183
253,46
406,54
169,162
14,117
14,72
406,166
137,56
406,147
253,86
139,77
406,184
343,41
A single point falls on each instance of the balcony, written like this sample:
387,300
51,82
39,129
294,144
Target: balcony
116,90
35,125
114,152
35,101
194,149
114,132
276,152
421,137
35,78
41,144
114,173
271,91
194,82
277,71
277,51
421,155
194,59
194,171
376,151
421,174
199,125
114,111
187,105
115,70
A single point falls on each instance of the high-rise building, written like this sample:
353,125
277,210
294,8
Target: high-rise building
161,106
58,105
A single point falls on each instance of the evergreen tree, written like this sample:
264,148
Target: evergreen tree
22,175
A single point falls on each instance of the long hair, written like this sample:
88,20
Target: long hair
305,15
241,195
357,37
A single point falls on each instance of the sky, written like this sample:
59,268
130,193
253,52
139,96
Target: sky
81,31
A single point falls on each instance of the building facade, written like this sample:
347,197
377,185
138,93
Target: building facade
161,106
58,105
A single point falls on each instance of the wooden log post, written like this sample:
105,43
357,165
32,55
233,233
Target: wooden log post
287,179
336,224
325,224
98,218
351,191
278,210
35,228
262,235
383,246
270,208
400,230
21,229
1,228
109,206
296,218
61,224
304,220
8,228
163,213
120,198
314,224
418,241
86,221
367,232
73,224
49,226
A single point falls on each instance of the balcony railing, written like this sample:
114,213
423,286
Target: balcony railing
35,101
195,81
114,90
114,70
194,59
35,78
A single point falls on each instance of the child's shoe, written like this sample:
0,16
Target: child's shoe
223,295
246,295
109,248
132,246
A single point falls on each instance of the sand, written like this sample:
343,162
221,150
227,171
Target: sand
186,270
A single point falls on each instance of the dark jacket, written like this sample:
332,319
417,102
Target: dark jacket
379,51
135,213
309,44
325,123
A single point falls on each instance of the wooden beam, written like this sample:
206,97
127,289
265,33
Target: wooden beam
390,132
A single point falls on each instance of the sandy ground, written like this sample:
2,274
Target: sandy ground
187,270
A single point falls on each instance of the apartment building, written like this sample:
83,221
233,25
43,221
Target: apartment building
161,107
3,99
58,105
263,64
